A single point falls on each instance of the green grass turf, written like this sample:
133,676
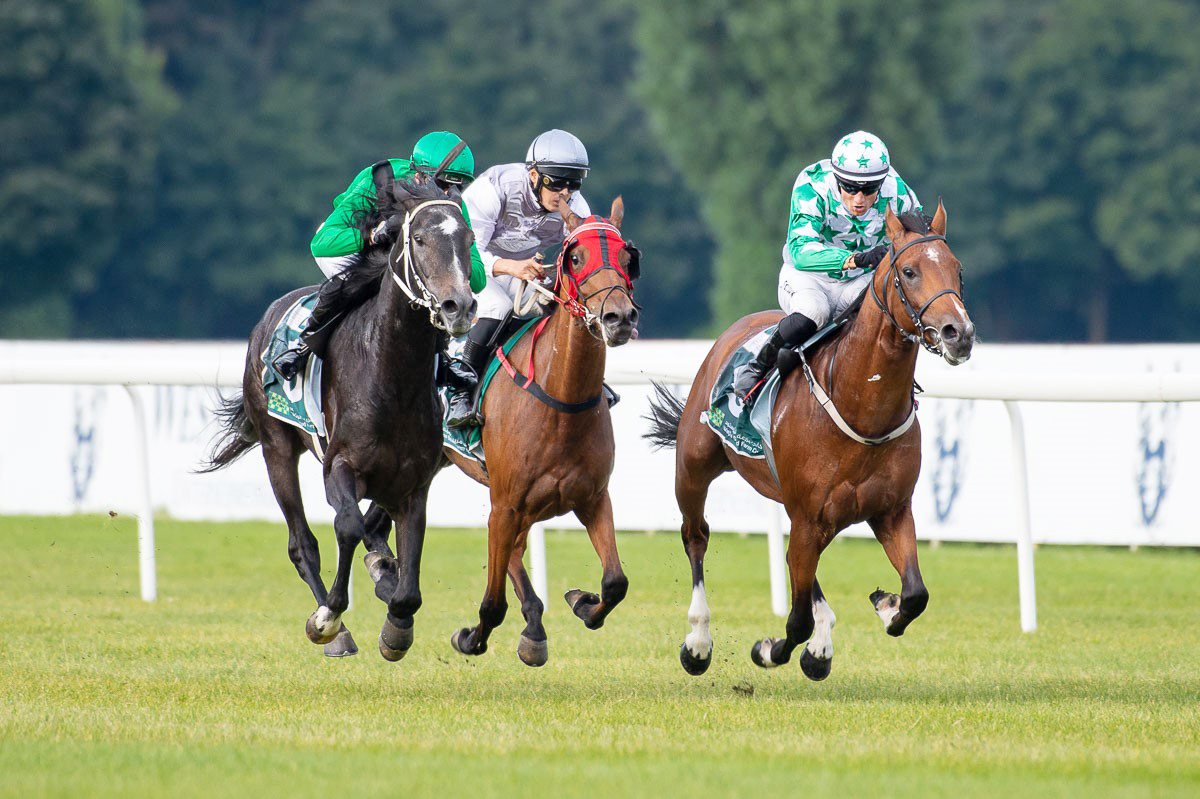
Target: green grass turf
213,690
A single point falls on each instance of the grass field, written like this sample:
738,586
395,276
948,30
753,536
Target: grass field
214,690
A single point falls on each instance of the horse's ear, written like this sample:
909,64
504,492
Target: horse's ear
618,212
938,225
571,219
895,230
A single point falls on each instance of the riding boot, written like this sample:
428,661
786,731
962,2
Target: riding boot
315,337
793,331
464,372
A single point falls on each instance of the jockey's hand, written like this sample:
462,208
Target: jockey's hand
382,233
526,269
869,259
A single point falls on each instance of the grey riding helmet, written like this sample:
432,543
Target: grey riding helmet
558,154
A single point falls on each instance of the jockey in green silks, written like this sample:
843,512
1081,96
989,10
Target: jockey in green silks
835,240
338,245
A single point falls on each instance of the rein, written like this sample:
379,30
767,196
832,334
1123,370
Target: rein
427,300
927,337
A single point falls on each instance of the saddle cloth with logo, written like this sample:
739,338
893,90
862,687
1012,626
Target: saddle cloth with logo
746,433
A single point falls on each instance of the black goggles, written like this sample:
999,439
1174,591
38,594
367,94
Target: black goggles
445,181
852,187
556,183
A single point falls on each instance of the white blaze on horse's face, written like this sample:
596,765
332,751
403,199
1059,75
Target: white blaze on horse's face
449,226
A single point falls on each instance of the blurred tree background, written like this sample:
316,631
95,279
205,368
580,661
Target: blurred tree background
165,162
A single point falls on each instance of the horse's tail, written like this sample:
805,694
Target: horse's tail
237,436
664,417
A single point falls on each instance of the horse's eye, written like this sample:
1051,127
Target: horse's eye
417,238
575,258
909,273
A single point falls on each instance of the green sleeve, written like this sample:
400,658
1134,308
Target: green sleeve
809,250
339,235
478,273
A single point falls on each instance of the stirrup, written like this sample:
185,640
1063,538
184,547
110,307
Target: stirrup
290,362
468,418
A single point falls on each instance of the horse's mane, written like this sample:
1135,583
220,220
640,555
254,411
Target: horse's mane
915,222
357,285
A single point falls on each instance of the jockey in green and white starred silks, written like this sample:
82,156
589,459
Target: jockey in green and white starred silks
815,278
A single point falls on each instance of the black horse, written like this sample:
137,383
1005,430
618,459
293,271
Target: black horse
382,416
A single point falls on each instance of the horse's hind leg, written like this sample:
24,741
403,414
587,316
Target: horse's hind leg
341,491
396,636
533,648
698,462
898,534
282,454
593,609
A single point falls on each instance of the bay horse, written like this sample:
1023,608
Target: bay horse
830,476
549,447
382,416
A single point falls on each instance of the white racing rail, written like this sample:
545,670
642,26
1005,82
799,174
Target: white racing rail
131,364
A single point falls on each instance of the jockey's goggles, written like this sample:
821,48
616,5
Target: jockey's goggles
446,179
852,187
556,183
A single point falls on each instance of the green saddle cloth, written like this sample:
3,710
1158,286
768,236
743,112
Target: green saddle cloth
468,441
747,434
296,401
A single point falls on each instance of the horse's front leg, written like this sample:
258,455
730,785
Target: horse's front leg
379,560
503,524
598,519
897,532
533,648
342,493
804,550
396,636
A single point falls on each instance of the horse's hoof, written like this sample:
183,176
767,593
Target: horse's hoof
692,664
533,653
813,667
341,646
322,626
582,603
382,571
394,641
760,653
887,606
461,643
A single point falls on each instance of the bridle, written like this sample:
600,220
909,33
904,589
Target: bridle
928,337
611,243
412,283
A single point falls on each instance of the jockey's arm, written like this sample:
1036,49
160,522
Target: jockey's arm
478,271
809,252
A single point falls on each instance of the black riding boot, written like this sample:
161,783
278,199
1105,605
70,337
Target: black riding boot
315,337
794,330
465,371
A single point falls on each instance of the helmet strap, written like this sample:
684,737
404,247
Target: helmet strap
449,159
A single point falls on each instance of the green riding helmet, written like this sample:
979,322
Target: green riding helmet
433,150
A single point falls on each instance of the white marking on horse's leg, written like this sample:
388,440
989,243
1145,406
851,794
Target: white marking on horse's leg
887,607
699,640
764,652
326,621
820,645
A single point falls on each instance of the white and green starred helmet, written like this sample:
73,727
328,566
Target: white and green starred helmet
861,157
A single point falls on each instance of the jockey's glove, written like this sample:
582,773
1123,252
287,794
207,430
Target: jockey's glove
384,232
869,259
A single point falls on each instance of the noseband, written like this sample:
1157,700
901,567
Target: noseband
611,243
412,282
928,337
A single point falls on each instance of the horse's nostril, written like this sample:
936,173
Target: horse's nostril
633,317
611,319
950,333
449,307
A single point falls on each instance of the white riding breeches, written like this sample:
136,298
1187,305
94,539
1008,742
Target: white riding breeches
496,299
817,295
335,265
